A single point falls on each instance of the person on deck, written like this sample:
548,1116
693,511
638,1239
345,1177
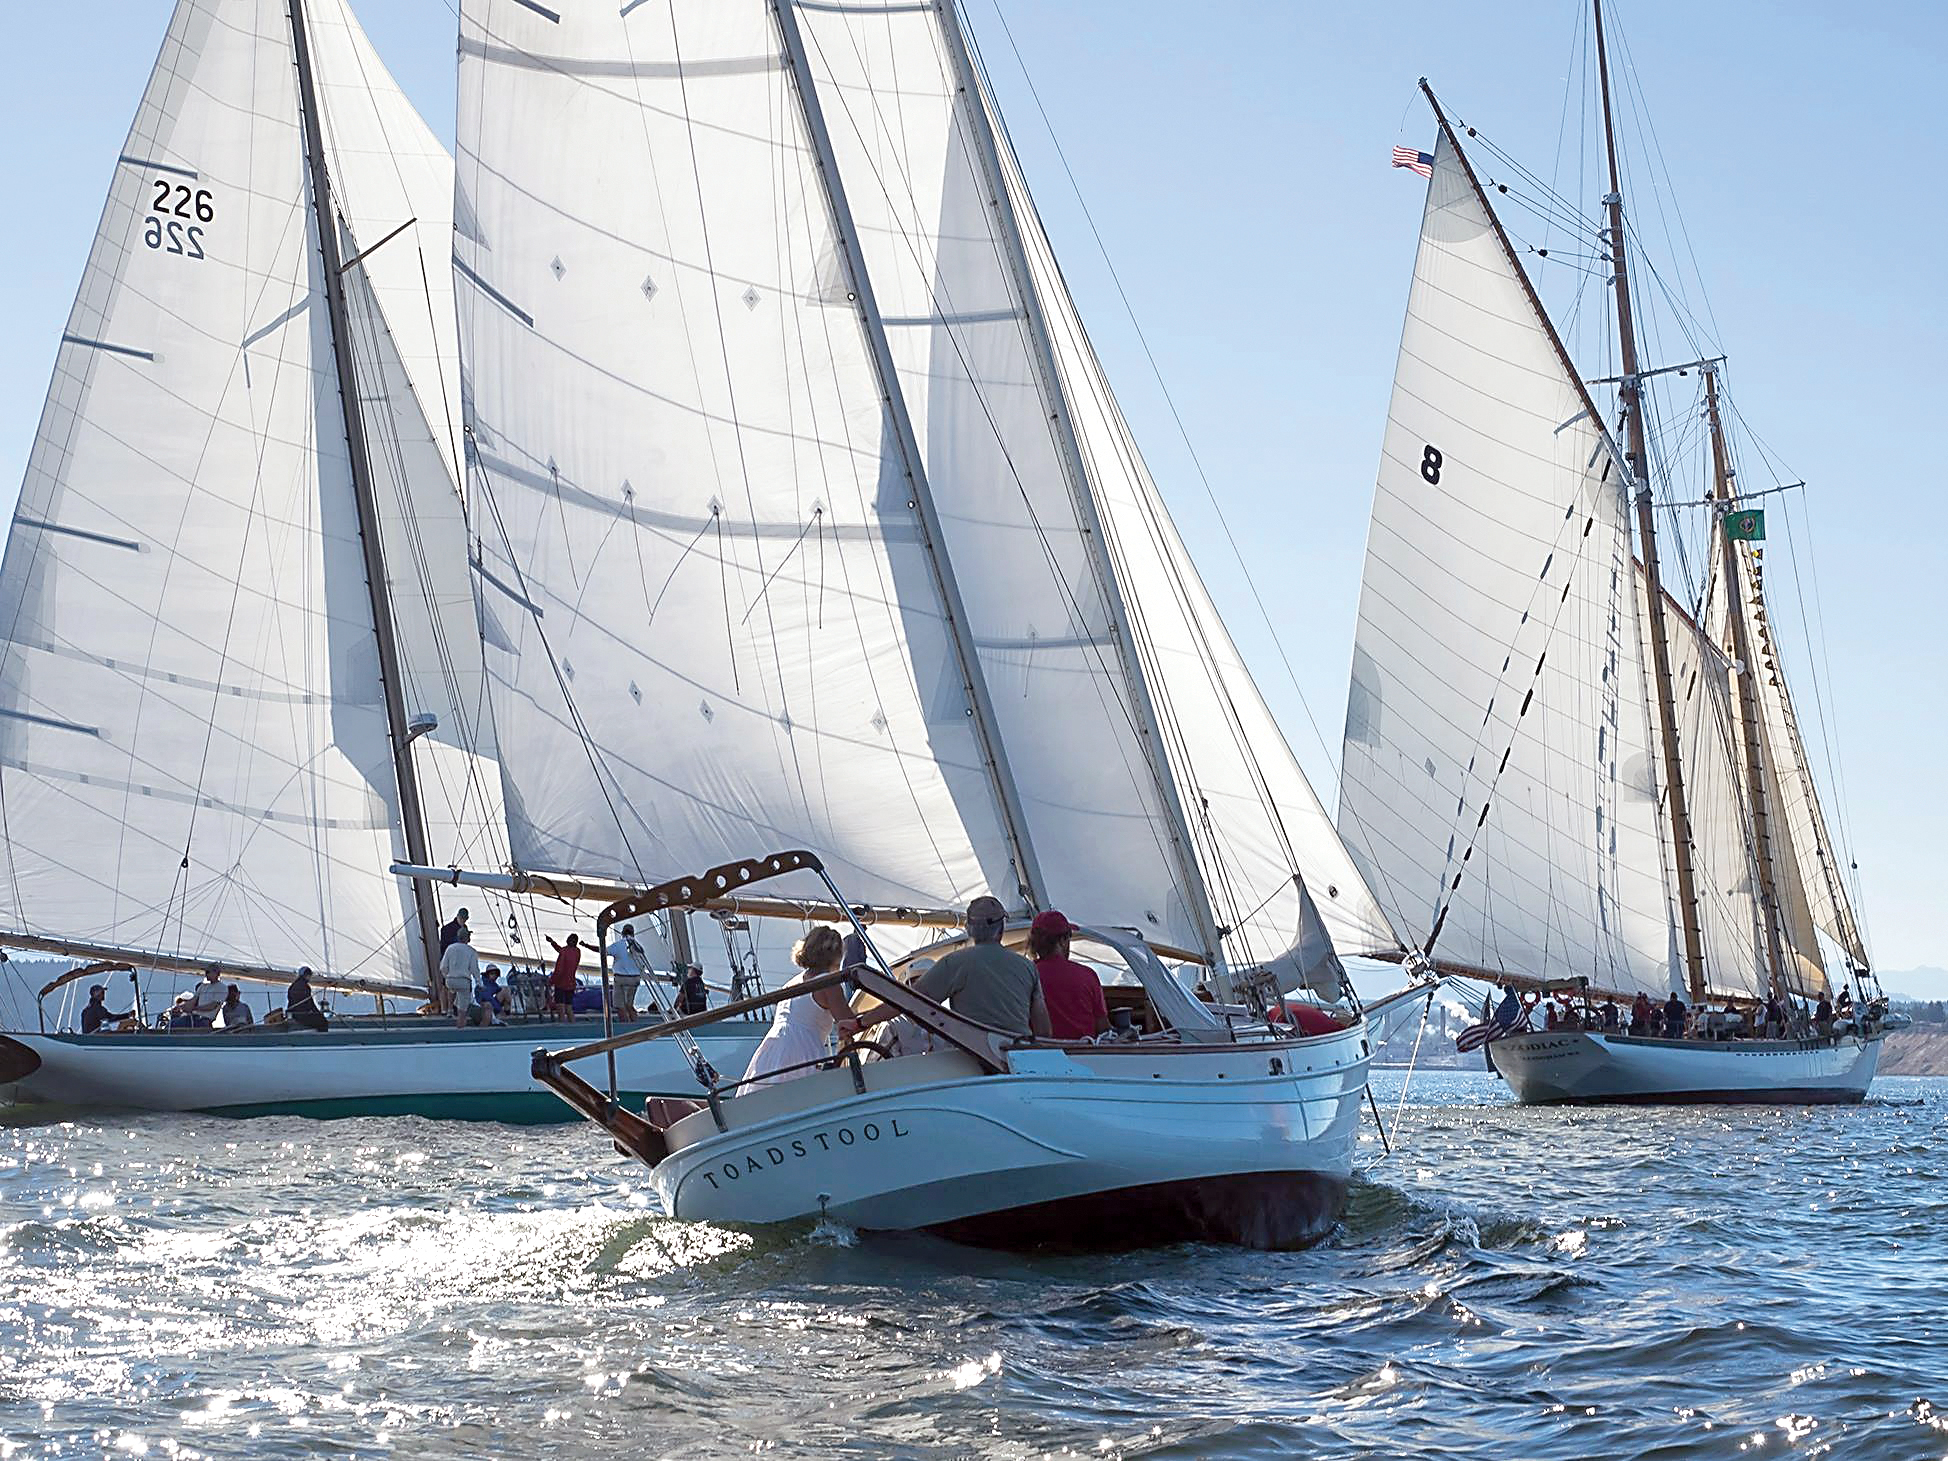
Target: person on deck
96,1012
1673,1017
629,966
801,1028
235,1014
1775,1017
1070,990
692,994
300,1008
207,997
460,972
985,982
451,930
1823,1015
1609,1018
490,996
1843,1006
1641,1014
561,979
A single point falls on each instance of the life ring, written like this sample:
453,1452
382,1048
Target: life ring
1531,998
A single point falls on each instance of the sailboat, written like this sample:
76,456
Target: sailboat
1574,778
240,666
823,571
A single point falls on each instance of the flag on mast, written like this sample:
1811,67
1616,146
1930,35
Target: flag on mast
1414,161
1747,526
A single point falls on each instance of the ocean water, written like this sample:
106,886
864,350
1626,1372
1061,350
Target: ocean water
1510,1283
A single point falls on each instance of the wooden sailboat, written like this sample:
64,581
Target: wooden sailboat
816,526
1574,781
240,669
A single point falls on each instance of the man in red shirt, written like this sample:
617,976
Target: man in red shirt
1071,990
561,984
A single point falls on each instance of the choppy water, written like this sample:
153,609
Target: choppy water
1514,1284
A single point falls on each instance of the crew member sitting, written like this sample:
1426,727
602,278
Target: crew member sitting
985,982
490,997
96,1013
300,1008
1071,990
235,1014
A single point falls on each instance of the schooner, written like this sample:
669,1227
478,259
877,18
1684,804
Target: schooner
1573,777
240,667
819,563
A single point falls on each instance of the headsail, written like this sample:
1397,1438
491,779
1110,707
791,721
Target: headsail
718,622
1264,839
1497,752
193,748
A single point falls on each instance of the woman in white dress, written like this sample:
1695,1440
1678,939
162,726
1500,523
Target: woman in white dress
802,1028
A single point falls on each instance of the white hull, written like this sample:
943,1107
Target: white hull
1248,1143
430,1070
1572,1065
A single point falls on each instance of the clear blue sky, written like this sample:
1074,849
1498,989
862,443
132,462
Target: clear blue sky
1234,156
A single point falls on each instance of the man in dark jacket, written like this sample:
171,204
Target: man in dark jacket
1673,1017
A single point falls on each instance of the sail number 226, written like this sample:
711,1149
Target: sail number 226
175,215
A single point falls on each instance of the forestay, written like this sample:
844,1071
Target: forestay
1498,720
193,750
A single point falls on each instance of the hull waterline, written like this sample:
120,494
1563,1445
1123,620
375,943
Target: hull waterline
1564,1067
437,1071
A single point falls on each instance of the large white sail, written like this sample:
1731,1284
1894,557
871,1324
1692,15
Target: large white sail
193,747
912,148
1497,760
712,624
1709,735
1263,837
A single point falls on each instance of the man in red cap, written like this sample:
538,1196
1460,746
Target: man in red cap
1071,990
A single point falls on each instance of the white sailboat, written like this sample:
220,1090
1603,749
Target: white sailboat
240,669
815,525
1568,777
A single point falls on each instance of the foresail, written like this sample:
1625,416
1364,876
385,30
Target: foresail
1263,837
193,750
1017,510
1497,752
712,626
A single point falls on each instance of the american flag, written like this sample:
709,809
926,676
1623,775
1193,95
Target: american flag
1420,162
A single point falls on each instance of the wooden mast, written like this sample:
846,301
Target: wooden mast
1631,389
1748,695
411,816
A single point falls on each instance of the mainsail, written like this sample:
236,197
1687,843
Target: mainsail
194,756
1497,772
806,515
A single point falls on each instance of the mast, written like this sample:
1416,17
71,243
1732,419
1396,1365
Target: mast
411,816
974,108
932,539
1660,651
1749,710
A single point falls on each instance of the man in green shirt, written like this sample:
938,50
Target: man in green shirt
985,982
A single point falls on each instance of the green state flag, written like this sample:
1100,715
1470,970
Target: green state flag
1746,525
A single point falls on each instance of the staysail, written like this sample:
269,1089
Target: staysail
775,311
193,747
1498,721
